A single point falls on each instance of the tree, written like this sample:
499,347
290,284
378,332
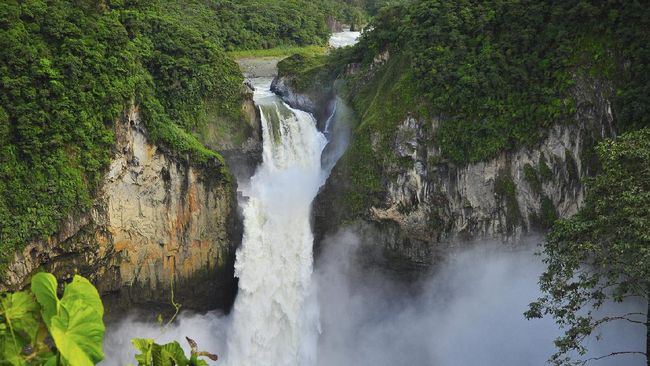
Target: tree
603,252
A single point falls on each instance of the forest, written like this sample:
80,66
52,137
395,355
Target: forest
436,87
69,69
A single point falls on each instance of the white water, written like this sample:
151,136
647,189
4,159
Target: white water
342,39
275,318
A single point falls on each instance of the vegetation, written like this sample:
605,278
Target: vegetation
500,73
495,74
603,252
70,69
308,51
259,24
39,328
170,354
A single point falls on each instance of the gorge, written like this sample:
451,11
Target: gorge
350,311
339,182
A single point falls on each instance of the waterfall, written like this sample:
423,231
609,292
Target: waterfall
275,319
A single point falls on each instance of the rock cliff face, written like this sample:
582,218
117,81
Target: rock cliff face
160,223
316,100
428,203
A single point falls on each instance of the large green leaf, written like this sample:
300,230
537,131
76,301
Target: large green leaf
80,289
19,324
170,354
44,288
144,346
78,332
20,312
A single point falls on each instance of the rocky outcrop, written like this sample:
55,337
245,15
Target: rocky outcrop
334,25
161,224
427,203
244,157
282,86
305,86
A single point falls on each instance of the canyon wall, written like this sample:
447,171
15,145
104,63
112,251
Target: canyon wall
161,225
426,203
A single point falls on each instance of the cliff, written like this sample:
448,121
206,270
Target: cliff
425,203
421,202
160,223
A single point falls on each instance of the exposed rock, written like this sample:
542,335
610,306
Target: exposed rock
334,25
244,158
282,86
427,202
160,222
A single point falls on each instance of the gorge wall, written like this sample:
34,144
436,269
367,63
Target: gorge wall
426,203
160,223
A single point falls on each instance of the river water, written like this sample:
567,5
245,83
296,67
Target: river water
275,317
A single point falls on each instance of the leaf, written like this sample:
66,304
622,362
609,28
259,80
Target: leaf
21,314
78,332
44,288
144,346
9,350
170,354
80,289
50,361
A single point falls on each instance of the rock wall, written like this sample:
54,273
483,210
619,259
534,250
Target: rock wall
243,158
160,223
428,204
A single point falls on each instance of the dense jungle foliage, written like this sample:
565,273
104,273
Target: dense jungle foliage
258,24
69,69
602,253
499,73
496,74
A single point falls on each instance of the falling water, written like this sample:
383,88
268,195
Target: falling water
275,320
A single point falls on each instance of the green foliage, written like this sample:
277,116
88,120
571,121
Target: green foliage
505,190
603,252
545,173
260,24
499,73
532,178
170,354
309,73
74,322
547,213
282,51
372,144
69,69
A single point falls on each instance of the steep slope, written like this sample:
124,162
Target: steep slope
160,223
475,119
115,118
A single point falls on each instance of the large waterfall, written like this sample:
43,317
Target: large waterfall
275,320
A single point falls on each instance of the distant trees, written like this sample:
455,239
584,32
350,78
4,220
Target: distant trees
603,252
499,73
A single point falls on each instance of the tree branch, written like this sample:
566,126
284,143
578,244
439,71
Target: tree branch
614,354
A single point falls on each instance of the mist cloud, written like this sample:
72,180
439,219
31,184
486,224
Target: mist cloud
468,312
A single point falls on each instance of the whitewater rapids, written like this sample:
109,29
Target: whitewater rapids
275,318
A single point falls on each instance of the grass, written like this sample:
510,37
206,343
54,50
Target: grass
282,51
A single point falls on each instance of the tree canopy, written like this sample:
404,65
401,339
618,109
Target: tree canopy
603,252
